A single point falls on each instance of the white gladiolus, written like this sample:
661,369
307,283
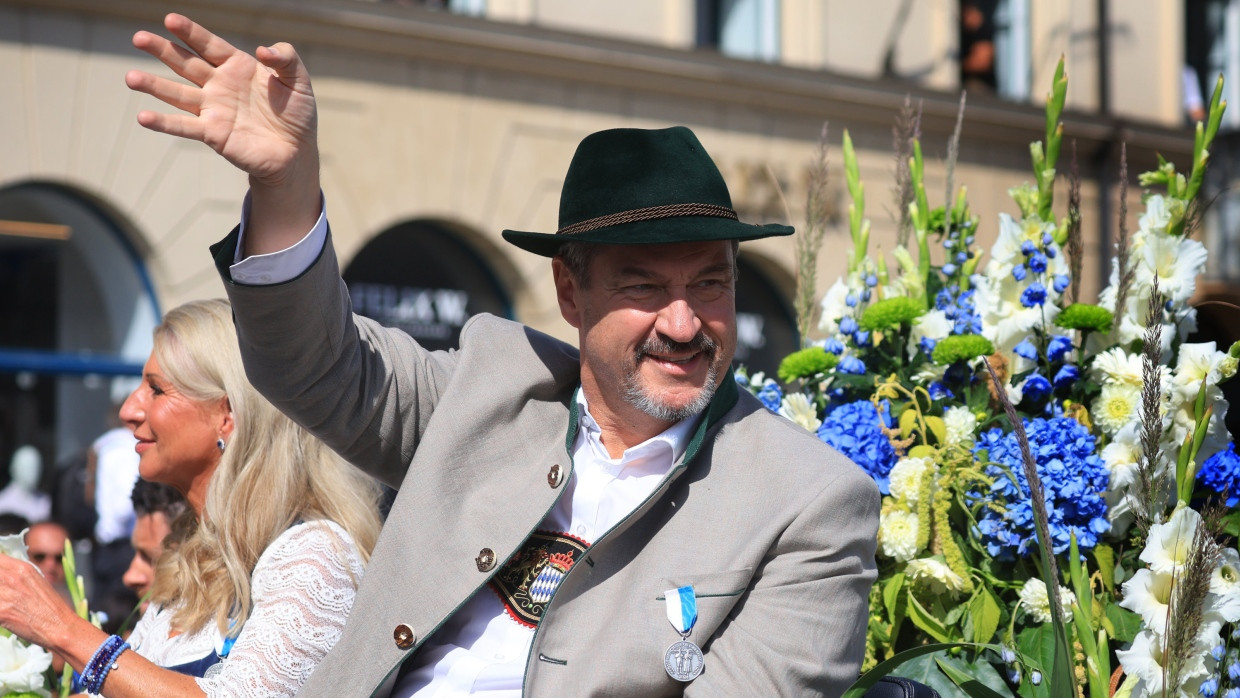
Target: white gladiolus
1170,543
1148,594
22,667
14,545
933,325
1225,586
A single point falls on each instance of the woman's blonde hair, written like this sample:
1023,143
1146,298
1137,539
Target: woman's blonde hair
271,475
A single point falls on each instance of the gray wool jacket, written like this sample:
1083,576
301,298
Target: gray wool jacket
775,531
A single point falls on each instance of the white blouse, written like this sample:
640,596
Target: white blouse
302,590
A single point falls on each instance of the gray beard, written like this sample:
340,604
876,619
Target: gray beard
651,405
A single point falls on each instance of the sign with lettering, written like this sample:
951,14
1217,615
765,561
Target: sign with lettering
421,278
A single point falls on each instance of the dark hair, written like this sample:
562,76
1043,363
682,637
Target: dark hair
576,256
12,524
153,497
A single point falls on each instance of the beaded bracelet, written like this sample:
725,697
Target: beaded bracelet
102,662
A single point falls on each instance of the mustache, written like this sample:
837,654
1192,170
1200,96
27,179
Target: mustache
662,345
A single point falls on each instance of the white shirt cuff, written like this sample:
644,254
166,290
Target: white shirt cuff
285,265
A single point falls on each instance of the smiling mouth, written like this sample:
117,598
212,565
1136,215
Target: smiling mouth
666,351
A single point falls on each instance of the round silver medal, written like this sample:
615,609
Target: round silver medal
683,661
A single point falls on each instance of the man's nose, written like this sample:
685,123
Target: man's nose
678,321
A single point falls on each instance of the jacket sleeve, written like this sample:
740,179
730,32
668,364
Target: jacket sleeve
367,391
800,627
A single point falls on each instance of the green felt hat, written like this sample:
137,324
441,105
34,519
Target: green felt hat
631,186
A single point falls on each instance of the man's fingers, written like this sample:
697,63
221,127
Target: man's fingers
212,48
184,63
170,92
178,125
283,60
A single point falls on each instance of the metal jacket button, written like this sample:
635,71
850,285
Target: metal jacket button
404,636
485,560
555,476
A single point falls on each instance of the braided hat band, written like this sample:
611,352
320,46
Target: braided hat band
650,213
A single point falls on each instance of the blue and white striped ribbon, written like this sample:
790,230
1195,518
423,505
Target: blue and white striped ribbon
681,608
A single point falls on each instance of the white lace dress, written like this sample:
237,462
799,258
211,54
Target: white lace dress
302,591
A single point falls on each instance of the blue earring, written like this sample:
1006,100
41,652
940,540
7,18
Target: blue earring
219,443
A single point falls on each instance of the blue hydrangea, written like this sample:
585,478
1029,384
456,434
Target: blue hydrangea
1221,473
1074,480
770,395
1034,295
854,429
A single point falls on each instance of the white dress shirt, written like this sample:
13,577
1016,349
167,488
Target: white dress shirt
480,650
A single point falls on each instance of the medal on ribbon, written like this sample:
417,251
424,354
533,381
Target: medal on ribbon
683,660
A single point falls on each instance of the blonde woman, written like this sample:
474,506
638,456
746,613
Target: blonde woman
260,572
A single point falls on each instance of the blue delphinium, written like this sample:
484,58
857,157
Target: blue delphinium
1036,388
854,429
851,364
1221,473
1058,347
770,395
1074,480
1066,376
959,307
1034,295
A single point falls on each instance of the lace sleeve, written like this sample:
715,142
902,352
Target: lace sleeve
302,588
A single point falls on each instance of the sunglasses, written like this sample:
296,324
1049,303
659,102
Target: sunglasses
37,558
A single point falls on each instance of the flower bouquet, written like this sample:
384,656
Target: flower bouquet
25,669
1058,488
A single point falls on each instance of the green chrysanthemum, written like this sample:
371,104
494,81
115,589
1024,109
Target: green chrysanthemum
891,312
1083,316
806,363
961,347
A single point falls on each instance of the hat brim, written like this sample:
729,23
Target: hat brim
655,232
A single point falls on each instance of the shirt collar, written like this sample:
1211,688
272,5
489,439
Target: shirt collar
675,439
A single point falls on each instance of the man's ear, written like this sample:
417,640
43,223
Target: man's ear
566,292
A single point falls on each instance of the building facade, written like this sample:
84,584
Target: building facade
442,123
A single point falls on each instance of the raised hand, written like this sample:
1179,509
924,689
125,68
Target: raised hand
257,111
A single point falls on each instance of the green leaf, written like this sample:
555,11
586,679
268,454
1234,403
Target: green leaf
921,451
938,428
917,665
1037,644
1124,623
908,422
926,620
1104,556
985,612
968,678
894,599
